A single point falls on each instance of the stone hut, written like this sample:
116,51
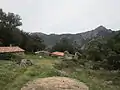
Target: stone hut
11,49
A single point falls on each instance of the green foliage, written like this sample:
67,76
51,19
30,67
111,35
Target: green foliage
6,56
98,80
87,72
36,45
11,34
99,53
13,77
17,58
11,57
9,20
73,63
114,62
104,51
63,45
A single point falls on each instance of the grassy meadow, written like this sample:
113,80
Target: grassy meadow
13,77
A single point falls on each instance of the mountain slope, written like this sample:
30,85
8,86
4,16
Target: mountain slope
79,38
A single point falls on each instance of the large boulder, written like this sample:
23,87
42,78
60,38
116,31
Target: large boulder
25,62
43,53
55,83
77,55
68,56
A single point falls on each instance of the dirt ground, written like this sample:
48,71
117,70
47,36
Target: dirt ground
55,83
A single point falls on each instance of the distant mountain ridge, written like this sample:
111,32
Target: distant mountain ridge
80,38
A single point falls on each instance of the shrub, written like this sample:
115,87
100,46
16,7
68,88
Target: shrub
65,63
16,58
6,56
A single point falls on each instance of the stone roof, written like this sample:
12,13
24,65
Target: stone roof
10,49
57,53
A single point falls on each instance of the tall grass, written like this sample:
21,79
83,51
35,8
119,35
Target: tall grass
13,77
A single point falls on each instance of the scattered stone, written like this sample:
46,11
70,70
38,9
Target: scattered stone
25,62
77,55
43,53
108,82
78,69
40,56
68,56
62,73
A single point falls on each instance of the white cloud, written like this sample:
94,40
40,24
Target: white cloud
60,16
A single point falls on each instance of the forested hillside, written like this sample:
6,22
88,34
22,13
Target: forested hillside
104,52
79,38
98,53
11,34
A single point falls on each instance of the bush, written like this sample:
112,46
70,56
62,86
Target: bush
17,58
6,56
114,62
65,63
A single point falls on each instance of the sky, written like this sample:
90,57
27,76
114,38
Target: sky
64,16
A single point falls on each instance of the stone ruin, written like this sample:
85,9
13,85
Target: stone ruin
69,56
25,62
77,55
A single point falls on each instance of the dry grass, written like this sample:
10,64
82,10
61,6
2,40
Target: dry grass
55,83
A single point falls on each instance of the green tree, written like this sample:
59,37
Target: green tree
63,45
8,23
11,34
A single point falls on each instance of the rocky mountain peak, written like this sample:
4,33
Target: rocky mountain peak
102,28
80,38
